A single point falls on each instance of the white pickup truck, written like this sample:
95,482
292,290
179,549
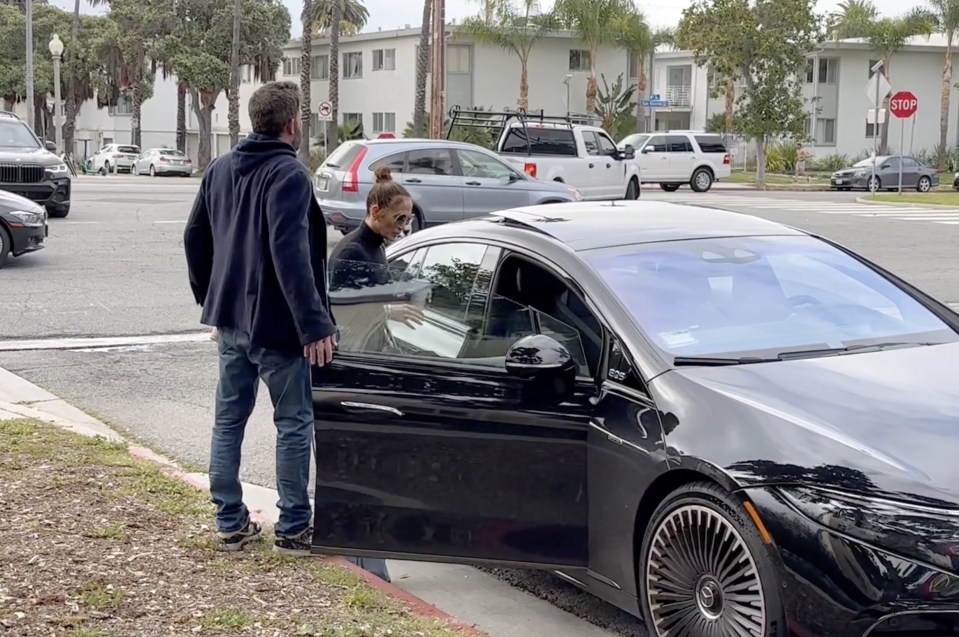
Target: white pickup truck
584,157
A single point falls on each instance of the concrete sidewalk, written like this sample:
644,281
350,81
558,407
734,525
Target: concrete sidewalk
469,596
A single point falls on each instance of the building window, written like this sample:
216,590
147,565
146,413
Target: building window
828,70
633,66
384,60
578,60
291,66
384,122
320,69
352,65
872,130
825,132
352,118
124,106
807,128
810,71
459,58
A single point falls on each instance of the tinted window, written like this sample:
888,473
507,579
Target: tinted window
711,143
14,134
760,296
344,155
129,149
543,141
909,162
430,161
606,145
679,144
657,144
591,143
476,164
170,153
396,163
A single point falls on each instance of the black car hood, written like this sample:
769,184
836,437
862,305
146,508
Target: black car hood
881,423
40,156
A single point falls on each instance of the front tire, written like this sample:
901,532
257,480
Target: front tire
6,246
704,570
58,212
632,190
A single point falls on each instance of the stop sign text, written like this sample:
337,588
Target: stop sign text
903,104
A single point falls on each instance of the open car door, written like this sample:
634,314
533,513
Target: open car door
440,440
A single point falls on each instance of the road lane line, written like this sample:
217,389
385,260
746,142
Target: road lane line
20,345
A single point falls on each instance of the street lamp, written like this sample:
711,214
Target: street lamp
56,50
875,126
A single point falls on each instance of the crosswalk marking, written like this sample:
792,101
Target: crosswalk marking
759,203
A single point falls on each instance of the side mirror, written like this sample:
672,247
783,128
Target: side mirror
50,146
645,150
546,366
629,152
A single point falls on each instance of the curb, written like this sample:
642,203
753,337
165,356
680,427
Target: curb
94,428
928,206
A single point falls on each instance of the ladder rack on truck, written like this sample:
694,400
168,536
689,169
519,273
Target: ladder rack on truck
496,122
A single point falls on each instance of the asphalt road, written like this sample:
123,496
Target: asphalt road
115,267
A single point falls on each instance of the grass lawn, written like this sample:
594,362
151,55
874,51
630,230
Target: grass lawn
940,198
741,177
98,543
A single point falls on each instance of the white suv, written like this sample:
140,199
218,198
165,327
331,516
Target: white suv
674,158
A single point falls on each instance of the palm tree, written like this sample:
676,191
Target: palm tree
591,20
317,16
946,13
72,106
638,39
233,95
422,70
852,19
514,29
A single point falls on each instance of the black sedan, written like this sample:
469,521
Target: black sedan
23,226
721,424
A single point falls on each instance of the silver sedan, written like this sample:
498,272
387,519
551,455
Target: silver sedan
163,161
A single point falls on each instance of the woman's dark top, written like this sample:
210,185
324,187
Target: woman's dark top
359,260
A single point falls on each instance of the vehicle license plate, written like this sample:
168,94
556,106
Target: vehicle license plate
322,183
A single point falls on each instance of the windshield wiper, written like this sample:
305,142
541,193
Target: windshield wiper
850,349
712,361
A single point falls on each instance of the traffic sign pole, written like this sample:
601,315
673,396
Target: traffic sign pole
902,140
903,105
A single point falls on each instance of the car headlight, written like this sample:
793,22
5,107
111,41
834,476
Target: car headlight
956,176
924,533
32,219
57,169
575,194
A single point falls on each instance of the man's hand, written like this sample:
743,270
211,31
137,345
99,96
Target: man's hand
409,315
321,352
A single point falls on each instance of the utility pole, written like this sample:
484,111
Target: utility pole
438,76
31,106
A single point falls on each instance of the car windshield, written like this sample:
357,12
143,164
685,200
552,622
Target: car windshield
760,296
14,134
866,163
636,141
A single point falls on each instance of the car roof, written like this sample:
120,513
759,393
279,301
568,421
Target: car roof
589,225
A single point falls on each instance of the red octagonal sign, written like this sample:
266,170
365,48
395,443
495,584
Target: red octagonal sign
903,104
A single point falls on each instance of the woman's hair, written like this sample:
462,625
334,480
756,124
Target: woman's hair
385,191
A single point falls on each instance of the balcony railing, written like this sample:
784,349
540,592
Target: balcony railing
678,95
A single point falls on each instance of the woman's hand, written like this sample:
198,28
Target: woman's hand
409,315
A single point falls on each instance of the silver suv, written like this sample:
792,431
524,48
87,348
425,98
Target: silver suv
448,180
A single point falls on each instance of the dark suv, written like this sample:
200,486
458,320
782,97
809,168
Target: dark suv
30,168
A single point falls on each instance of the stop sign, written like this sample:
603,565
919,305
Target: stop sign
903,104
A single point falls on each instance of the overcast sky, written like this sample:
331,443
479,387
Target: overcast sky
391,14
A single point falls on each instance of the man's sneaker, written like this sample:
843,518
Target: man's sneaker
299,544
237,539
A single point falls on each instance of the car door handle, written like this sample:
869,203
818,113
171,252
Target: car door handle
413,181
354,407
609,165
473,183
591,165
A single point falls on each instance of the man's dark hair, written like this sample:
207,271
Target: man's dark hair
273,105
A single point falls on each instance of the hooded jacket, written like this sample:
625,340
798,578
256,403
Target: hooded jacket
256,247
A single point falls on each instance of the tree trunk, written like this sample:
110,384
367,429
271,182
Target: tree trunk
8,104
944,105
422,66
233,112
135,127
761,162
641,89
181,117
524,84
71,107
335,20
204,120
884,140
306,80
730,104
592,85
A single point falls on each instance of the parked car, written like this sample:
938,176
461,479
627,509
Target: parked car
674,158
23,226
915,174
30,167
449,181
163,161
115,158
705,418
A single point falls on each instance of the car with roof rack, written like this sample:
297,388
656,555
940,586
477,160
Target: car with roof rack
31,168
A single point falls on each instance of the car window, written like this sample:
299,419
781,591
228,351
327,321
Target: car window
430,161
590,142
129,149
540,141
15,134
909,162
679,144
760,296
892,162
657,144
476,164
396,163
344,155
711,143
168,152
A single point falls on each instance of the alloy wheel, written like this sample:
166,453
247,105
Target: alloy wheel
925,184
701,579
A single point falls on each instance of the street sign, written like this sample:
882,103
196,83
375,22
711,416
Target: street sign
325,110
903,104
654,98
884,87
655,103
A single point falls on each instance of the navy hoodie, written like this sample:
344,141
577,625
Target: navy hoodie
256,247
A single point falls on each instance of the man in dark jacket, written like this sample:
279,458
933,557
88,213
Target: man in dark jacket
256,250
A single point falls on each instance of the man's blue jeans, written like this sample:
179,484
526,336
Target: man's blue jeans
287,378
